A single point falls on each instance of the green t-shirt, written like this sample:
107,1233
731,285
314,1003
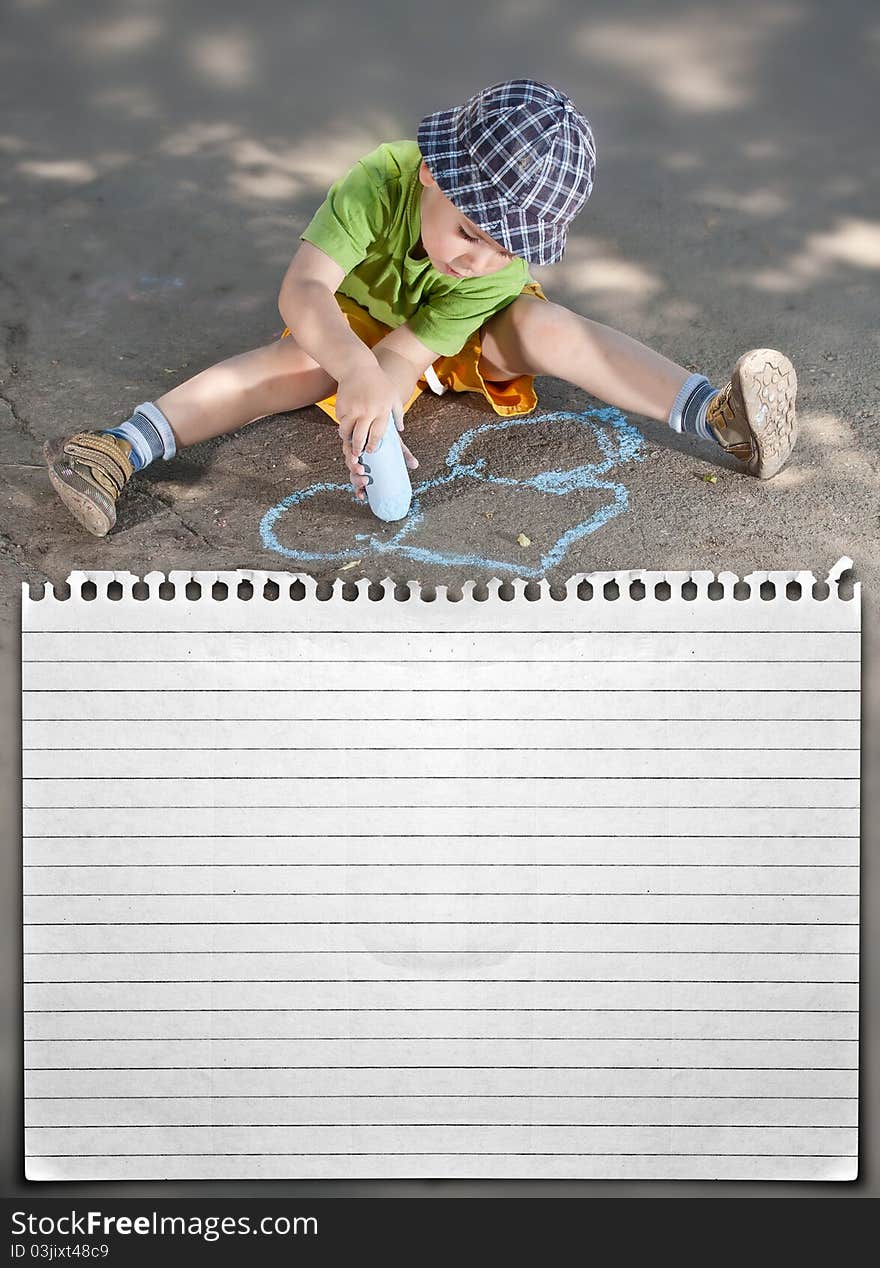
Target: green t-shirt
370,224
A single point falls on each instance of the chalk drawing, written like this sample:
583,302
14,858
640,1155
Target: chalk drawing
94,299
151,282
618,440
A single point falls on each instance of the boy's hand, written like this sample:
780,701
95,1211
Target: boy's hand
358,475
364,402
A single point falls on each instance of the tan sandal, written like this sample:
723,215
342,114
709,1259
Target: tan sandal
753,416
88,471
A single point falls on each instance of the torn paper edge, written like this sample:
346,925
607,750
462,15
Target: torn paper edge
610,586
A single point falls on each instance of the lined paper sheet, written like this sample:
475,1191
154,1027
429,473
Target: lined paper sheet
553,888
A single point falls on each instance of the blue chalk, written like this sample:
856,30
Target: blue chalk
389,491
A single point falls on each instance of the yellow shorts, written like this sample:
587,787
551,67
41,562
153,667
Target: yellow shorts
460,373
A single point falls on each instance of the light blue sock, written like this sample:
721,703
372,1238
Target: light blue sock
688,413
149,434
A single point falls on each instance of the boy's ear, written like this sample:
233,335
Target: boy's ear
425,176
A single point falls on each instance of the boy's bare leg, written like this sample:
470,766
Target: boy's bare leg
269,380
534,337
752,417
89,470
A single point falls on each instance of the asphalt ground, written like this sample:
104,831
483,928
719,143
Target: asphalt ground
161,159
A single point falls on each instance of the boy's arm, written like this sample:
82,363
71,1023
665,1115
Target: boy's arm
371,385
307,305
365,394
404,358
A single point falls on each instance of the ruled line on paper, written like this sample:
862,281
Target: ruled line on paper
724,1123
411,893
219,981
414,836
581,659
410,633
484,1096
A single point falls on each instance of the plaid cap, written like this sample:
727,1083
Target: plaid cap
518,159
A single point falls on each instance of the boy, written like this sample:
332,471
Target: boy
414,271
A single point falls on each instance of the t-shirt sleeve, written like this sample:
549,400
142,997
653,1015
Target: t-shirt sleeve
445,323
350,218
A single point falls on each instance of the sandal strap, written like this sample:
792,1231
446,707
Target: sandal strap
726,413
101,454
721,411
99,477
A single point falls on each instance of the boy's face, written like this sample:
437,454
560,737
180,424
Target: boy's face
454,244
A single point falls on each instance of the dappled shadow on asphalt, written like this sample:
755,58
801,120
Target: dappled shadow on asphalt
164,162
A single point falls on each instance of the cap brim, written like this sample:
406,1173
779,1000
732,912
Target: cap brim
534,240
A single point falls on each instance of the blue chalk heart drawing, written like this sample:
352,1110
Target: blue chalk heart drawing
618,440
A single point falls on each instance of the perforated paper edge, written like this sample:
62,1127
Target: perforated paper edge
638,585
